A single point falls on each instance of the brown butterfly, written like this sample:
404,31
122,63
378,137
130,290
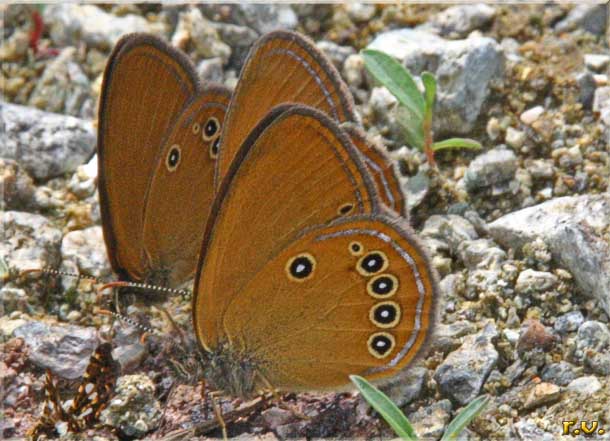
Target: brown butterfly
305,275
92,396
158,140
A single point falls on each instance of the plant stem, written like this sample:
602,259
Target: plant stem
428,141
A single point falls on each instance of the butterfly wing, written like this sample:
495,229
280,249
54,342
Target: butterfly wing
181,188
282,67
277,186
364,304
381,169
146,84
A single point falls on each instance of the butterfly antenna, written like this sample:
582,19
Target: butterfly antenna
130,321
123,284
55,272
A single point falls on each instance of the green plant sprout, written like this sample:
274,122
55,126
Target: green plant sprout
415,110
399,422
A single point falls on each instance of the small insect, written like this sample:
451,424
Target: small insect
92,396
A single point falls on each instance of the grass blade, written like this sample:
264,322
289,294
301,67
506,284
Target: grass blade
413,130
389,72
430,94
386,408
456,143
464,418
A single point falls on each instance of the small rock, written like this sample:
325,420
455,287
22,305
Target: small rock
481,281
204,36
360,12
529,431
592,336
490,168
211,70
515,138
337,54
589,17
276,416
353,70
569,322
85,250
407,386
542,394
17,186
429,422
597,62
47,145
587,85
29,241
599,363
585,385
540,168
63,349
465,70
134,410
481,253
416,189
530,116
84,182
69,24
572,227
451,229
463,373
264,18
560,373
535,281
459,21
535,339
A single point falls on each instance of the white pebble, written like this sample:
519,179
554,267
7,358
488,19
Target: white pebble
531,115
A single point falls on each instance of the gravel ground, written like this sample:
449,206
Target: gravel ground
519,231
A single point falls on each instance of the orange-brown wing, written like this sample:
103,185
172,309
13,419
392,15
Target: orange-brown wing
182,186
382,170
282,67
355,297
296,170
146,84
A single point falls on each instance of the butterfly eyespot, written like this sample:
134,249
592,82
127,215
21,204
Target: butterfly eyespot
382,286
345,209
380,344
210,128
301,267
173,158
385,314
196,128
355,248
214,148
372,263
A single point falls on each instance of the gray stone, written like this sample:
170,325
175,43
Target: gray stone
45,144
585,385
83,183
515,138
481,253
464,372
464,70
336,53
69,24
573,228
535,281
64,88
587,86
193,27
429,422
568,322
65,349
16,186
490,168
599,363
529,431
592,336
360,12
540,168
29,241
589,17
459,21
597,62
451,229
407,386
211,70
561,373
416,189
353,70
134,409
264,18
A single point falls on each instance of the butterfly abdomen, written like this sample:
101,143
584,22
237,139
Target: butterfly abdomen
233,371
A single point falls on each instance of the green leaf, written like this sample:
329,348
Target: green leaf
413,129
456,143
389,72
464,418
386,408
430,94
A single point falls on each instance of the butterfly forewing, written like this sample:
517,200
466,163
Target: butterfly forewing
282,67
